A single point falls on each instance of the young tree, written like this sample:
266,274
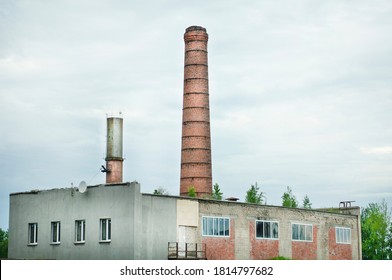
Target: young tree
3,244
376,232
216,193
192,191
306,203
161,191
254,195
288,199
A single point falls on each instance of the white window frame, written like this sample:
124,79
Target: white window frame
343,235
270,229
80,225
105,230
305,229
32,232
215,230
55,232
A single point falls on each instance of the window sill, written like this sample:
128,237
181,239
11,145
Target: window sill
296,240
79,242
32,244
105,241
217,236
266,238
55,243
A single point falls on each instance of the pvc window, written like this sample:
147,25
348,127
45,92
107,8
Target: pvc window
105,230
80,231
32,234
302,232
216,226
343,235
267,230
55,233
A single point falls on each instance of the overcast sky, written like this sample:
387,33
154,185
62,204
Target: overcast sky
300,95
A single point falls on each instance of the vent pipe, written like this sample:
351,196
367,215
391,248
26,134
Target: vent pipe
114,150
196,167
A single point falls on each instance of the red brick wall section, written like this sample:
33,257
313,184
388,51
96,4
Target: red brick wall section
338,251
220,248
303,250
262,249
116,171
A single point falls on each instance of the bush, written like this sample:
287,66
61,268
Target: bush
279,258
3,244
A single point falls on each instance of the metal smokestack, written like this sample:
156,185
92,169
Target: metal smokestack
114,150
196,167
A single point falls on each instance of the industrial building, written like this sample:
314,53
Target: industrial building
116,221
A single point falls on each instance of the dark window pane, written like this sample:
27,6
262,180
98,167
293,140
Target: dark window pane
215,226
295,232
109,229
267,230
227,227
83,231
78,231
259,229
31,235
210,222
275,230
221,227
103,228
301,232
54,232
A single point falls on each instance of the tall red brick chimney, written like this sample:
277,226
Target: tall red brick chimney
196,168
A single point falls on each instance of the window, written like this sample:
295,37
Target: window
302,232
33,234
216,226
267,229
105,230
55,233
343,235
80,229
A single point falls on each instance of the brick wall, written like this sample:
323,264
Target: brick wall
338,251
303,250
220,248
262,249
243,245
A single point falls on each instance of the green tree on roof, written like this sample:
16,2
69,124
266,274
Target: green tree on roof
254,195
216,192
289,199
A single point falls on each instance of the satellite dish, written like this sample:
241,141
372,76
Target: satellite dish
82,187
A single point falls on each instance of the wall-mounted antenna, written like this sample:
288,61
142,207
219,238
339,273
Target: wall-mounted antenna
104,169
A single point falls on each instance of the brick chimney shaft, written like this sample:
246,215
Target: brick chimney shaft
196,167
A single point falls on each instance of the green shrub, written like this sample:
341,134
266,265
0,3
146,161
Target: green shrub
280,258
